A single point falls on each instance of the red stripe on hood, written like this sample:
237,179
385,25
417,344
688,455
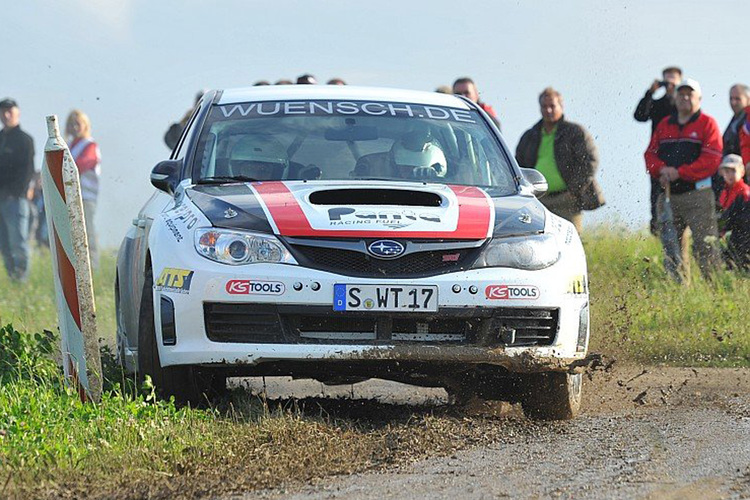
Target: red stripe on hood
474,216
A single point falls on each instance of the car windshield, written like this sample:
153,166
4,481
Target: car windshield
349,140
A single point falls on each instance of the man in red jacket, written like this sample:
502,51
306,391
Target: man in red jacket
684,153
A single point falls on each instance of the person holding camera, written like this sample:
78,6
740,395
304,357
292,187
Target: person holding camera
656,110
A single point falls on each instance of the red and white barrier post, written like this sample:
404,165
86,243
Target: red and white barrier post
72,267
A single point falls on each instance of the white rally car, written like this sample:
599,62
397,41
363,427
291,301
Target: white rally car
344,233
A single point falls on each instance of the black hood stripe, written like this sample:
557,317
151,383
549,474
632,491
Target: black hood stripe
216,202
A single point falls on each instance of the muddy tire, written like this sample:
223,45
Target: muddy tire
552,396
177,381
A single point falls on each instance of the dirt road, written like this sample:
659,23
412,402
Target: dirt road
644,433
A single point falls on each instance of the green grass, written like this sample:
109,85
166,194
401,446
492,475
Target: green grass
31,307
641,315
129,445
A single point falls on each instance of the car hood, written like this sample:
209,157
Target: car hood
367,209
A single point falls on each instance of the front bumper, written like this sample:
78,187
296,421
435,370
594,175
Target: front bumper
294,292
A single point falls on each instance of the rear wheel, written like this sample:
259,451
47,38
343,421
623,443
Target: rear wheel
552,396
187,384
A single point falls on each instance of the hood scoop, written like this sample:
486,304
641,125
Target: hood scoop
374,196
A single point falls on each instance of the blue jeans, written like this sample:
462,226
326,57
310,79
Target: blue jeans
14,235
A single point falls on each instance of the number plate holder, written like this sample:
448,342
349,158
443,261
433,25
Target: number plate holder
385,298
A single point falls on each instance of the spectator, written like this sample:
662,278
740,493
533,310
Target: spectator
172,137
16,172
739,99
656,110
444,89
284,82
261,83
87,156
745,140
566,154
684,153
306,79
38,216
336,81
466,87
735,216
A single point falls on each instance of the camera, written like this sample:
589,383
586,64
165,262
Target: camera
663,83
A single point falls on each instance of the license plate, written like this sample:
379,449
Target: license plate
401,298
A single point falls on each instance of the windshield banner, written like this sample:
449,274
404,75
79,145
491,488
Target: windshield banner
344,108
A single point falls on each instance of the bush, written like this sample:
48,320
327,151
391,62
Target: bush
26,357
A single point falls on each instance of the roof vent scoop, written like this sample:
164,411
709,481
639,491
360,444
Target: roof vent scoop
375,196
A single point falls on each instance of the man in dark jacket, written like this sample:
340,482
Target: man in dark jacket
566,154
739,99
656,110
174,132
16,171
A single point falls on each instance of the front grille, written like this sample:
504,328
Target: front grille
339,328
358,264
271,324
525,327
243,323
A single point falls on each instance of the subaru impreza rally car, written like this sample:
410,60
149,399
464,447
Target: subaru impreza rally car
344,233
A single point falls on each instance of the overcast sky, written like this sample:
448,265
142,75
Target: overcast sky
134,66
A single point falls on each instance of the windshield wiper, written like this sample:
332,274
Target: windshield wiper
372,178
226,179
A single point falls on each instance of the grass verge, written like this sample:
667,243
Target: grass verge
639,314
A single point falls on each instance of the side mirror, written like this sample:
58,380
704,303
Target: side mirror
166,175
536,179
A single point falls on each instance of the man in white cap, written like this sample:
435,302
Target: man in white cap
684,153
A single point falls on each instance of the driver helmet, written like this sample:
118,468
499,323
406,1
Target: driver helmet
418,155
261,157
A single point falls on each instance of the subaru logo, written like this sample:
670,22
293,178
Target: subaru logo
386,249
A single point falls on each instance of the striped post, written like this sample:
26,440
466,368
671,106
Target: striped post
72,268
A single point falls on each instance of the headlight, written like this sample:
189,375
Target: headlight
237,248
529,252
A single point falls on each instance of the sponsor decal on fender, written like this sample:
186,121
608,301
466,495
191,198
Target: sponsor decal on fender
174,280
173,229
511,292
578,285
254,287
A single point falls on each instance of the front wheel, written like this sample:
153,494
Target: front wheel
552,396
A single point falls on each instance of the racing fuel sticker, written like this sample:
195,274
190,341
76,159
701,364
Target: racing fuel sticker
511,292
348,216
467,214
254,287
174,280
